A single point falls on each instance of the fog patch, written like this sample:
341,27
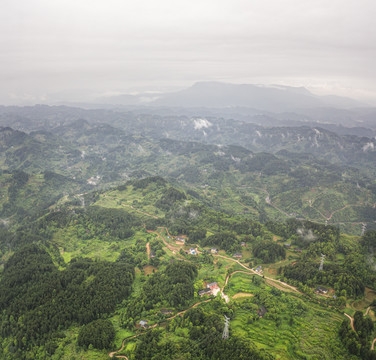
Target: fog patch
193,214
317,132
141,150
368,146
4,223
371,260
306,235
201,124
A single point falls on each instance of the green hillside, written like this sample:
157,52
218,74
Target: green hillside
125,225
116,241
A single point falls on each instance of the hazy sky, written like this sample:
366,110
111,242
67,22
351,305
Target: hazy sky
75,49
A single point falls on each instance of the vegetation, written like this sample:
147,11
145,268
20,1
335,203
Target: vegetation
37,300
172,287
99,334
203,341
90,212
269,251
357,342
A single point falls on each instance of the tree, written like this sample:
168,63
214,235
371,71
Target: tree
99,333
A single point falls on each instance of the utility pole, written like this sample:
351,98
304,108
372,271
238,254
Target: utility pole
225,334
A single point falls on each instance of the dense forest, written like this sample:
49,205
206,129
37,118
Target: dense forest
358,341
269,252
203,342
172,288
37,300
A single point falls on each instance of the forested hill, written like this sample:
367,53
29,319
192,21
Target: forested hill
321,132
263,186
78,279
134,235
38,301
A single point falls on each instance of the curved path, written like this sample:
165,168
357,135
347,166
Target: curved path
353,327
351,321
256,273
175,250
113,353
373,344
141,212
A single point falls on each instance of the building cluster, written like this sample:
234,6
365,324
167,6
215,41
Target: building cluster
210,289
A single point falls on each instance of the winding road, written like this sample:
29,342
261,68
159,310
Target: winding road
175,251
353,327
265,277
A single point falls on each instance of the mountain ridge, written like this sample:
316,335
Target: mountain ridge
212,94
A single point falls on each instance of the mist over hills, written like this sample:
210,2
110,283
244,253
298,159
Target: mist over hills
101,148
81,184
273,98
268,132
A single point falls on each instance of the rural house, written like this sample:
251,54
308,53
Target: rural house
143,323
321,290
203,292
180,240
214,288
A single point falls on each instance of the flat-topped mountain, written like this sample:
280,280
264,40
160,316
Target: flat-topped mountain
273,98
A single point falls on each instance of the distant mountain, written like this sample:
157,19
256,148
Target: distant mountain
274,98
211,94
267,98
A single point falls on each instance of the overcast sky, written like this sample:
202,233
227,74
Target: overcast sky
77,49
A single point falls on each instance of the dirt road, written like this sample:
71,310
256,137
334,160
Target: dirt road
148,250
265,277
373,344
351,321
113,353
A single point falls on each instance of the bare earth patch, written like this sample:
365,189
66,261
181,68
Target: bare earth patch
278,286
238,295
149,269
272,271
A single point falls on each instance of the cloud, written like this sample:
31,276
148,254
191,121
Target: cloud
369,146
305,235
201,124
50,46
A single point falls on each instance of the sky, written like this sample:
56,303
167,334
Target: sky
77,50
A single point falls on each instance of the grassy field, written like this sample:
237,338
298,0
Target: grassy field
71,245
132,200
312,335
241,283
